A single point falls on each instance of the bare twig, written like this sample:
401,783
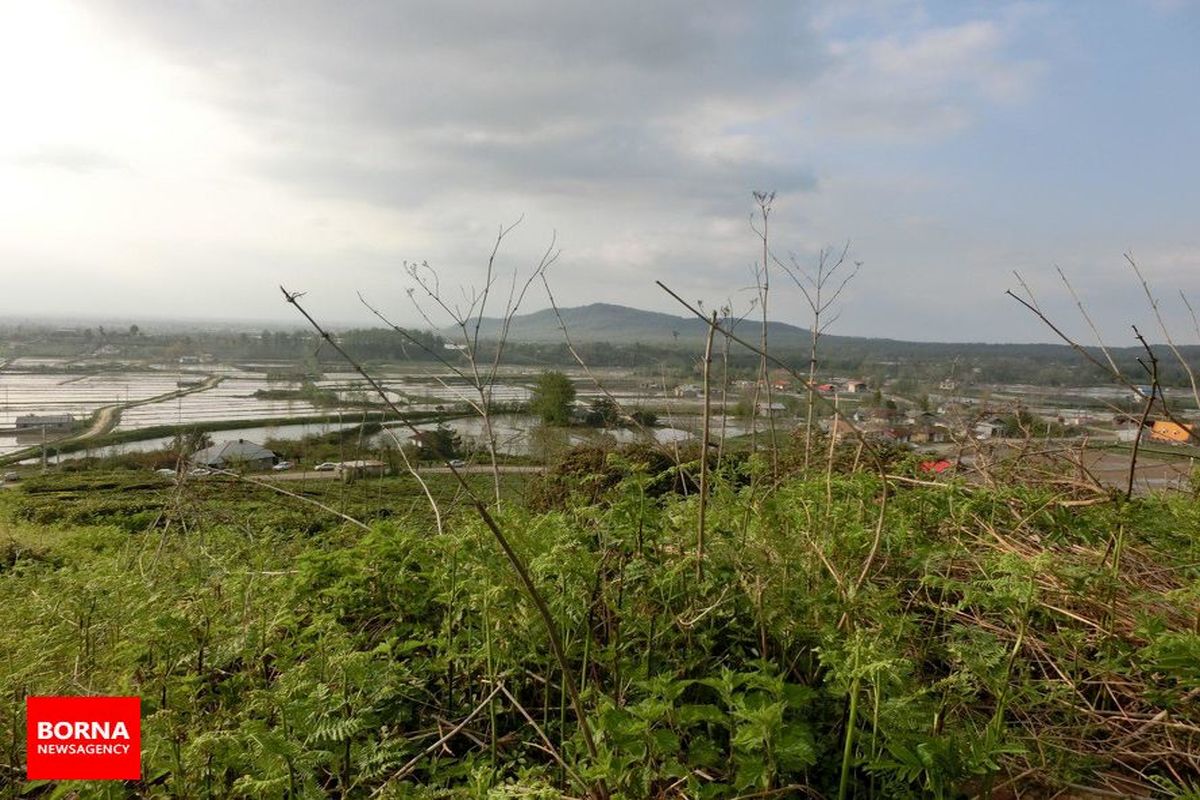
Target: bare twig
708,346
1166,332
514,560
415,760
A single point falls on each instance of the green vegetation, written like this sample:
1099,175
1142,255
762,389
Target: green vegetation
439,444
605,413
552,398
979,641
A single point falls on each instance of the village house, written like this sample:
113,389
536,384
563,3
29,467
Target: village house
47,422
1075,418
883,413
1129,428
856,387
1170,432
351,471
838,428
991,428
241,454
929,433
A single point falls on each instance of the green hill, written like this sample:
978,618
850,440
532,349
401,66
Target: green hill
605,322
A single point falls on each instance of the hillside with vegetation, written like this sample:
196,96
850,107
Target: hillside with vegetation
604,335
617,335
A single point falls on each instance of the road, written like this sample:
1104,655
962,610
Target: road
474,469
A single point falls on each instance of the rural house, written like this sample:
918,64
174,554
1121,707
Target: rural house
993,428
1130,429
838,428
1167,431
235,455
353,470
51,422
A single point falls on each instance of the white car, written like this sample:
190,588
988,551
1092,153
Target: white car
458,463
282,465
327,466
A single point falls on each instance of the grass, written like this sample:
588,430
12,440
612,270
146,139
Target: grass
992,645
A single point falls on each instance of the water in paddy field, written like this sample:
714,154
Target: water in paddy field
26,387
520,434
232,399
285,431
78,395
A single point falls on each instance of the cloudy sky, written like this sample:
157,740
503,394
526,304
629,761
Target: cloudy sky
183,159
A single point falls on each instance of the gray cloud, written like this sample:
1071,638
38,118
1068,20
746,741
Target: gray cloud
351,98
635,130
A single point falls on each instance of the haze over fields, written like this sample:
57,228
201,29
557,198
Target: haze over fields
164,161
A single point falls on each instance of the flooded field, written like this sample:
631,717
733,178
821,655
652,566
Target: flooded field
524,435
287,432
46,386
50,386
24,393
232,399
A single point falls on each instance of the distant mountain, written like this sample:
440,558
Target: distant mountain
605,322
1049,364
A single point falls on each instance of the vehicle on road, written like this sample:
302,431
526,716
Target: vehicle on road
327,466
458,463
282,465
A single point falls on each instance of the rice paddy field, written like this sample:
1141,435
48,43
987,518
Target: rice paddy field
233,399
50,386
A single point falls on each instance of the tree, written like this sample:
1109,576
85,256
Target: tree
552,398
187,442
479,349
604,413
442,443
647,419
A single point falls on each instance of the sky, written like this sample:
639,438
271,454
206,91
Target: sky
182,160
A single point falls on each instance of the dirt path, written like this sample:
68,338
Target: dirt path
108,417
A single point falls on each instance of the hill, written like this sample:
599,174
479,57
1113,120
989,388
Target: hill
604,328
605,322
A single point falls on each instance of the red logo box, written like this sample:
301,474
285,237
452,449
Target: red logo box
83,738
